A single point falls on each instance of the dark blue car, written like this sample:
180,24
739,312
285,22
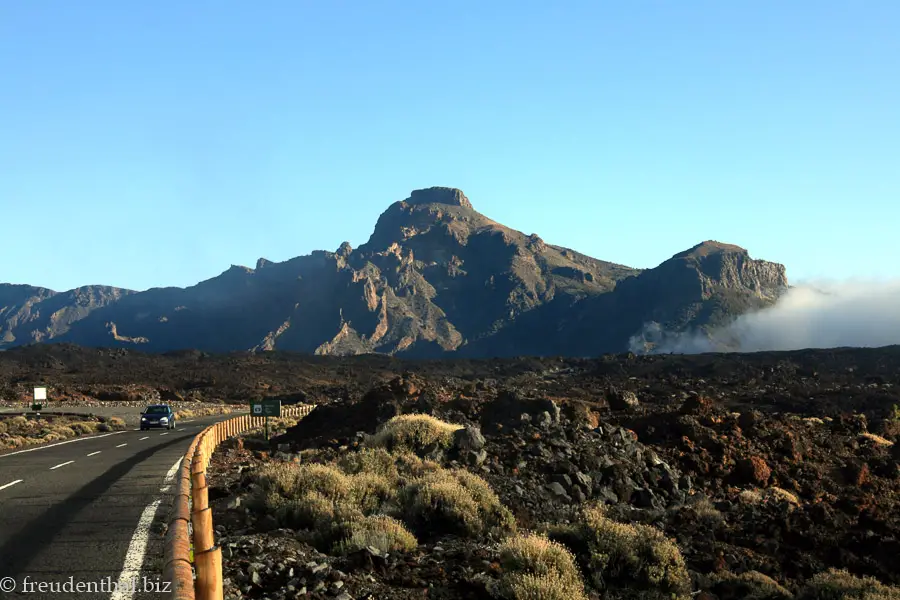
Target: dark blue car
158,415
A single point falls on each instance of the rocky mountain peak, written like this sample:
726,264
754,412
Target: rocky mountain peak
710,247
439,195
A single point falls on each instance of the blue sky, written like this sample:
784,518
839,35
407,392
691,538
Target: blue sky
157,143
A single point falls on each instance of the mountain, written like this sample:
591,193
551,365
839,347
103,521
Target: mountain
435,278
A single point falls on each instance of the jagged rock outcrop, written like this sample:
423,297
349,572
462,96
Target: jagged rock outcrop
435,277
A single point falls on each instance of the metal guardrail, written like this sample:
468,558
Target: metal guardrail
190,540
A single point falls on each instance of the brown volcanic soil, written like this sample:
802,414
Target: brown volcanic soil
797,451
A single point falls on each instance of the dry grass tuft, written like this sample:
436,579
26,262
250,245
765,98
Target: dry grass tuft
751,585
450,502
378,531
876,439
782,495
634,556
552,586
842,585
537,567
707,514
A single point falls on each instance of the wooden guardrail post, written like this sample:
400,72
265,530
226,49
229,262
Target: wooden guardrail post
201,521
209,574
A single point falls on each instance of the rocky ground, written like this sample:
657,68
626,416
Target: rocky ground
761,468
765,469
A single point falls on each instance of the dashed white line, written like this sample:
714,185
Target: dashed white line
81,439
62,464
134,557
3,487
97,452
144,438
120,445
166,433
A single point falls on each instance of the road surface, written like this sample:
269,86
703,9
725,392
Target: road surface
80,519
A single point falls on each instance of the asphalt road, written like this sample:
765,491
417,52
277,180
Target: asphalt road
71,513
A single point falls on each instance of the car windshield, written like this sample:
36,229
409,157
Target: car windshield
156,410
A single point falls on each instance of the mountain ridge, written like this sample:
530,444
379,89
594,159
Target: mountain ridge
435,278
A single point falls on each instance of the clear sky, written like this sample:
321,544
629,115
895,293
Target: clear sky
156,143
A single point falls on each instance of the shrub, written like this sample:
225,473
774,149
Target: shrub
441,503
551,586
295,480
370,491
380,531
876,439
116,423
537,567
635,556
751,585
370,460
841,585
414,432
3,428
781,495
707,514
84,428
63,432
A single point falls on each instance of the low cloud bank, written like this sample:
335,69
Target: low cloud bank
810,315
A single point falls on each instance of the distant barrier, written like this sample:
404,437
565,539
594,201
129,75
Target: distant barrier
190,540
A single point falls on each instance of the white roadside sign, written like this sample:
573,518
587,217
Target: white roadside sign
40,393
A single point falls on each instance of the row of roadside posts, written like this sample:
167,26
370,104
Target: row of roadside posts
270,407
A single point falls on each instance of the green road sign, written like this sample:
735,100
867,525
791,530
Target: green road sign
265,408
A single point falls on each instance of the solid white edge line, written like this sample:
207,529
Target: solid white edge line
97,452
81,439
62,464
3,487
137,548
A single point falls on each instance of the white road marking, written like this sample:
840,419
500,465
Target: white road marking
81,439
62,464
3,487
120,445
97,452
137,548
166,433
144,438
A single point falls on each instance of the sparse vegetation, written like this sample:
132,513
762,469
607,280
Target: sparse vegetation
348,501
19,431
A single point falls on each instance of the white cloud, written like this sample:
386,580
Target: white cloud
810,315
